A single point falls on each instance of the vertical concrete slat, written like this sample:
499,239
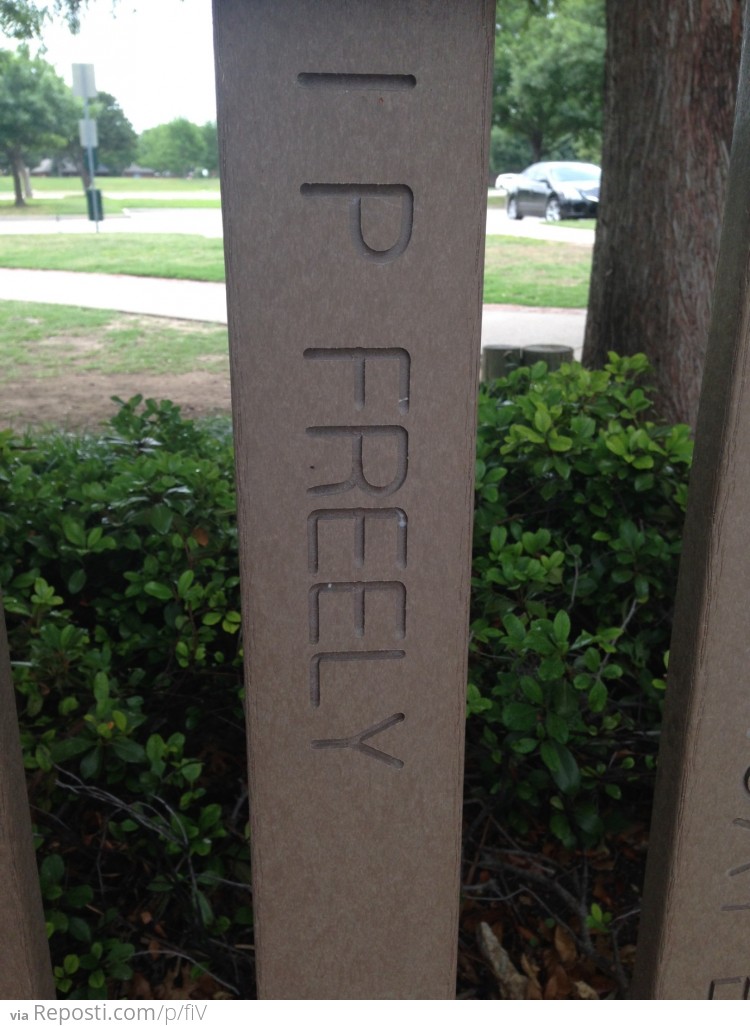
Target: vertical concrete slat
25,971
353,143
695,926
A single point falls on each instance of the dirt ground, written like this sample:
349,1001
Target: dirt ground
82,400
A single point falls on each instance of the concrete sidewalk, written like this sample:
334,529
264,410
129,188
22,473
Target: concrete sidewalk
158,297
206,301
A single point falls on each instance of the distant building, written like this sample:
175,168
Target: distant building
136,171
65,168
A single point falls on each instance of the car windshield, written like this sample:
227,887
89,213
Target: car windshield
576,173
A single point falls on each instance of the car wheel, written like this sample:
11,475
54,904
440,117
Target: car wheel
513,212
553,211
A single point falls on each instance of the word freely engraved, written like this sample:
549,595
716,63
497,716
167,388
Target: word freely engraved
367,448
355,541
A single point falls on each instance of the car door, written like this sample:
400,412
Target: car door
538,190
525,190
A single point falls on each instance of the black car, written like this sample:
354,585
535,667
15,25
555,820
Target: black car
555,190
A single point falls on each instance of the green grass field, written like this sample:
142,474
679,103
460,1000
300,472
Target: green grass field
58,197
107,184
150,256
530,273
39,340
519,271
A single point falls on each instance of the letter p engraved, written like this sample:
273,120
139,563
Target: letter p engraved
355,194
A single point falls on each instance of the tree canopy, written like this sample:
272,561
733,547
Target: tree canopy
24,19
179,147
118,141
37,110
549,74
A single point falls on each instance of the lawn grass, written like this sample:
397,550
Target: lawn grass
152,256
573,222
58,197
46,207
75,206
107,184
40,340
526,272
530,273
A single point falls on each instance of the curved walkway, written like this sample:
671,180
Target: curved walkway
206,301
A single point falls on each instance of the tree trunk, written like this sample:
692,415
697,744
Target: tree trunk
671,83
536,141
82,166
16,167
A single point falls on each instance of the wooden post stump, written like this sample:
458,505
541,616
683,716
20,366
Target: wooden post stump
499,359
354,152
695,927
553,355
25,971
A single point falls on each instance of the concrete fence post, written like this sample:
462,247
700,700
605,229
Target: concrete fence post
25,971
353,142
695,925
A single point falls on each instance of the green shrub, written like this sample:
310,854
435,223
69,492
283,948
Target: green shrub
580,497
118,561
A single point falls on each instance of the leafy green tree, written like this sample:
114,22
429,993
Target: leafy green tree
118,140
176,148
37,111
549,75
210,146
24,19
508,151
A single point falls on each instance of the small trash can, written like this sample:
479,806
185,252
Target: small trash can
94,204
